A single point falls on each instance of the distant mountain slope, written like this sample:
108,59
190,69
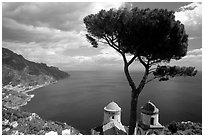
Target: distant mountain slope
17,70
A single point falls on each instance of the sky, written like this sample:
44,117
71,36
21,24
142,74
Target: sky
54,33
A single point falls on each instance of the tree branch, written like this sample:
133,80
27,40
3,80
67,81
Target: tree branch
143,81
152,70
143,63
124,60
111,44
151,79
128,76
102,42
155,62
132,59
118,47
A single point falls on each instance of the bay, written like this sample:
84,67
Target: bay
80,99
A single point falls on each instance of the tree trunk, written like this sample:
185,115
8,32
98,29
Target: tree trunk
133,114
135,93
134,101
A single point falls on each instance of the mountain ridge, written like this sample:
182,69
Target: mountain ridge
16,69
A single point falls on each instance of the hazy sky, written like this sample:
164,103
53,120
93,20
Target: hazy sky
53,33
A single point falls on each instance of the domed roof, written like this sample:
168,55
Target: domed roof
149,108
112,106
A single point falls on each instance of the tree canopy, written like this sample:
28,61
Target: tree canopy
153,34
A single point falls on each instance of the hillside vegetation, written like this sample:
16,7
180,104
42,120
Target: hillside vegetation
17,70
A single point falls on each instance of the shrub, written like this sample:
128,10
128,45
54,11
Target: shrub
173,127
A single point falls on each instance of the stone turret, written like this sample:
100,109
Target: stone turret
112,112
111,122
150,115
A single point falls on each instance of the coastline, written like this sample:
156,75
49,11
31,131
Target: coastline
40,86
17,96
184,128
17,122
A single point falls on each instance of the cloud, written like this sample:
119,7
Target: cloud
53,33
55,55
97,6
49,32
108,54
193,58
190,15
53,27
37,22
193,38
195,52
62,16
66,16
13,31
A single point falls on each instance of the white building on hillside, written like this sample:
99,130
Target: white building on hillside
111,122
112,112
150,115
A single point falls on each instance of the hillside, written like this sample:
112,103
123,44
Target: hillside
19,76
17,70
15,122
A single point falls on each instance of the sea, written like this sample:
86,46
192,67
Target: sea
80,99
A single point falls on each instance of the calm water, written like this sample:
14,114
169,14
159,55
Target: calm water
79,100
